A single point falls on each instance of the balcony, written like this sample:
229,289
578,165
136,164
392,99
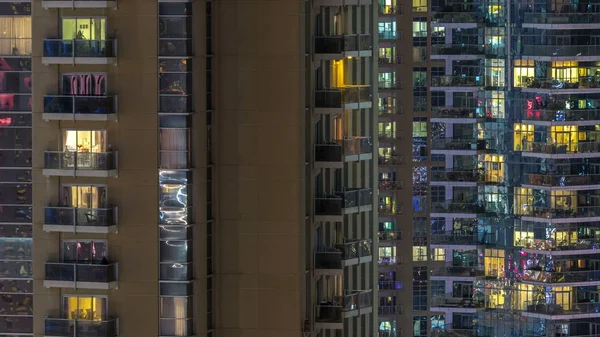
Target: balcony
80,164
335,154
389,60
390,185
455,177
80,220
467,19
341,46
561,52
334,207
335,101
449,302
80,108
81,275
457,51
64,327
47,4
389,285
455,115
330,314
560,86
390,160
456,207
455,238
388,35
562,117
581,149
389,210
387,235
390,9
561,311
390,136
560,215
582,20
467,146
390,111
468,273
561,247
390,85
332,261
569,278
61,51
454,82
390,310
559,181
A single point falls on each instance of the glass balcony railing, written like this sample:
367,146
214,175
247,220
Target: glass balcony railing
335,151
561,50
560,213
388,35
553,309
389,185
390,309
87,105
390,135
388,235
561,115
79,48
458,271
451,301
457,81
389,285
560,180
331,310
338,97
390,84
560,245
338,44
59,160
553,83
458,49
450,206
81,272
571,148
337,203
390,110
63,327
454,238
561,18
79,217
452,112
389,59
471,16
393,160
455,175
332,258
458,144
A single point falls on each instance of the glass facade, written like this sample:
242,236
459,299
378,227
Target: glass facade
16,257
176,207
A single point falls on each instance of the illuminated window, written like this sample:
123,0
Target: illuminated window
566,71
438,254
523,136
16,38
419,129
566,136
419,253
494,73
90,308
523,72
419,5
523,201
523,239
494,262
419,29
492,166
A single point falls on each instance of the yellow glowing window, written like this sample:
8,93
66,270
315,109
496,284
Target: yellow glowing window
419,5
494,262
522,239
419,129
523,136
492,166
523,200
85,307
438,254
419,253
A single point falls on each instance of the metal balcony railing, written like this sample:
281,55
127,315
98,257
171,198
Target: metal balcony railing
549,148
561,213
561,115
73,216
331,310
335,204
456,175
561,18
559,245
452,112
337,44
554,309
561,50
336,150
65,160
457,81
458,49
337,97
458,271
560,179
572,276
455,238
451,301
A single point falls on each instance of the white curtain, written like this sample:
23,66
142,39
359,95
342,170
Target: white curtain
174,148
15,35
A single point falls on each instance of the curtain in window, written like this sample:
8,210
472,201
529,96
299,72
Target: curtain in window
17,39
174,148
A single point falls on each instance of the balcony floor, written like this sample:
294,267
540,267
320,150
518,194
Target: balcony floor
78,117
81,285
80,173
78,60
78,4
79,229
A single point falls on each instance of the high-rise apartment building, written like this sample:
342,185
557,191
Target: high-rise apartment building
178,168
505,156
